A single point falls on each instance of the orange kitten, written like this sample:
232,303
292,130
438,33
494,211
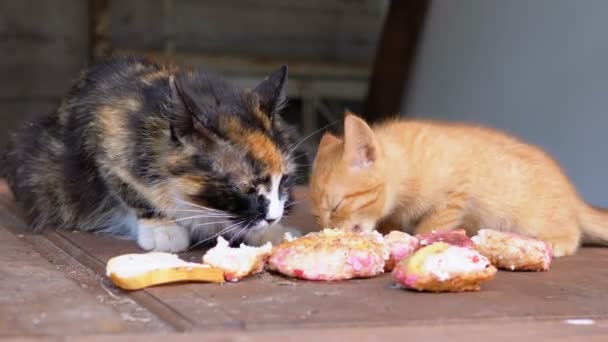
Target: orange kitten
424,176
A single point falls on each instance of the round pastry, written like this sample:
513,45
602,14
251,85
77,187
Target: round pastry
331,255
442,267
513,252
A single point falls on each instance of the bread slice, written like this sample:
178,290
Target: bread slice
237,263
442,267
513,252
137,271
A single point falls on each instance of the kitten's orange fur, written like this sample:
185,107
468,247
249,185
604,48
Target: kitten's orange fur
422,176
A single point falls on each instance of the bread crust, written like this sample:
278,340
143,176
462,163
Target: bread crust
168,275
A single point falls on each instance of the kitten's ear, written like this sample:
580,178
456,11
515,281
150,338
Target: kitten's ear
360,145
202,118
271,92
328,139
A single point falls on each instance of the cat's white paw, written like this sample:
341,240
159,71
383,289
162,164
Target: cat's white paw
152,235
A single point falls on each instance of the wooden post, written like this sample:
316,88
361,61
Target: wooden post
395,58
99,22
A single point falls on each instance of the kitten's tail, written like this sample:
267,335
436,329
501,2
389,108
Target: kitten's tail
594,224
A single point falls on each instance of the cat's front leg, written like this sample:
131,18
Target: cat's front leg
274,234
161,236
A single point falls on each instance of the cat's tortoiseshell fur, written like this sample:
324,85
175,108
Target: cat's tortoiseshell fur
136,140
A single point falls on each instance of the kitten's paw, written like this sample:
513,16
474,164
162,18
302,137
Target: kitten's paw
155,236
563,247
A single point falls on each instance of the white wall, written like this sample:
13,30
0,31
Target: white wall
537,69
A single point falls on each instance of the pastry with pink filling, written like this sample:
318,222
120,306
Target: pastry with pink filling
442,267
456,237
331,255
401,245
513,252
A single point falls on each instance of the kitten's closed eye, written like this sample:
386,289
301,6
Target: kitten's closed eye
336,207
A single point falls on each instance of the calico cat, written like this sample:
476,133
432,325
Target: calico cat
424,176
165,156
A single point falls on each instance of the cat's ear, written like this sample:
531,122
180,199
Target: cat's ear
271,92
360,145
202,118
328,139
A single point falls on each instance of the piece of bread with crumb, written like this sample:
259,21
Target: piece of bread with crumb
138,271
331,255
513,252
442,267
401,245
237,263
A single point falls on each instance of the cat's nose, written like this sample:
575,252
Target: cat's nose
270,220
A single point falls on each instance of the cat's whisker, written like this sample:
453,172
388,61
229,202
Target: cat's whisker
210,223
211,210
179,211
311,135
223,231
299,156
244,229
181,219
293,203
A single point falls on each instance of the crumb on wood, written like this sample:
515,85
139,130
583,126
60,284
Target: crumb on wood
130,318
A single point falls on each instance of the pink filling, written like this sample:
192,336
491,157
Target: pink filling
360,262
457,237
401,252
410,280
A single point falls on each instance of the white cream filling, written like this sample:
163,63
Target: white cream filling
238,260
454,260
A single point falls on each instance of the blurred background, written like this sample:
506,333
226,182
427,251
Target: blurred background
537,69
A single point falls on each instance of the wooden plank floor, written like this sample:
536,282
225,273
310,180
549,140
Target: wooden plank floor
54,285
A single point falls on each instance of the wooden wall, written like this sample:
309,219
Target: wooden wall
329,43
335,31
43,45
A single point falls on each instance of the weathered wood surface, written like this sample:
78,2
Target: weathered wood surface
267,305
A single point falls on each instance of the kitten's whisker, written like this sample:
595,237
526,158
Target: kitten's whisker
310,135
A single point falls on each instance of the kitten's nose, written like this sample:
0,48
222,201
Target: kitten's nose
270,221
